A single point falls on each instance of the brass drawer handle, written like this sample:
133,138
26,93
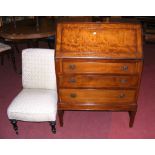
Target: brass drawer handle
124,68
121,95
72,95
72,66
72,80
123,80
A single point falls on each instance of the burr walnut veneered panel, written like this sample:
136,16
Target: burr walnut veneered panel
98,67
99,40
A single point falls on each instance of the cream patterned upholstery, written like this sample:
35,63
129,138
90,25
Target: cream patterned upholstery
37,101
38,69
35,105
4,47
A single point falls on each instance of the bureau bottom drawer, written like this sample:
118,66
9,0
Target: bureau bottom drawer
101,96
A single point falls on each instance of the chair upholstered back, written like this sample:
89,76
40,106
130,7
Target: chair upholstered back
38,69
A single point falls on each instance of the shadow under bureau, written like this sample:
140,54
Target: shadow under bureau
98,67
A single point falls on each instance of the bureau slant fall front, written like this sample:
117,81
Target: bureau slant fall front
98,67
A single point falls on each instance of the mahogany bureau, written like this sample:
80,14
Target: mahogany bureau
98,67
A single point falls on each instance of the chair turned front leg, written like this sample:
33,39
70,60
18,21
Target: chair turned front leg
53,126
15,127
132,115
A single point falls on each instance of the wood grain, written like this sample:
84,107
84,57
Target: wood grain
26,29
96,96
78,39
97,81
98,67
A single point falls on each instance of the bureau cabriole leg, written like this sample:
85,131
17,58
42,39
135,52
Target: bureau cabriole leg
60,114
132,115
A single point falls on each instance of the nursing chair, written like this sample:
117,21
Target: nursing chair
37,102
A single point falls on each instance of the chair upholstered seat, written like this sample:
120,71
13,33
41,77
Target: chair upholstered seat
34,105
4,47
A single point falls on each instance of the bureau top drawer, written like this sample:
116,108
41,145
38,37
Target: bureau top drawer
99,67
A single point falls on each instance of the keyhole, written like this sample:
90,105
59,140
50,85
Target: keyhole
94,33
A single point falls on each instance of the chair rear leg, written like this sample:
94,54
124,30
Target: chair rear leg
14,124
16,47
2,59
13,60
53,126
49,44
8,56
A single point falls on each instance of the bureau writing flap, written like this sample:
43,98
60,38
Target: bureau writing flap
106,40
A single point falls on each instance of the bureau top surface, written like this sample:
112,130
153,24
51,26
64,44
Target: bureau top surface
99,40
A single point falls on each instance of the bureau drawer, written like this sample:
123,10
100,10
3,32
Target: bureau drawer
99,67
96,96
97,81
